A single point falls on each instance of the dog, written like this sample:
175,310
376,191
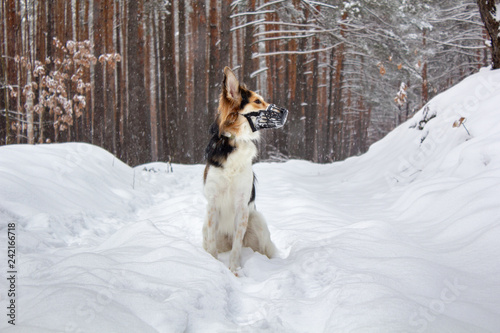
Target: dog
232,220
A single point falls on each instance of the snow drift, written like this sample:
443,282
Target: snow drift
403,238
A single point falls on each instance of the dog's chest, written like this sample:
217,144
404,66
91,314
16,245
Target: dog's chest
240,161
235,177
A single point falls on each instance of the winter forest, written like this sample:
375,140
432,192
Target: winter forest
142,78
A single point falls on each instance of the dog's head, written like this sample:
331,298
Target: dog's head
235,102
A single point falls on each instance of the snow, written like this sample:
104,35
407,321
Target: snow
496,15
403,238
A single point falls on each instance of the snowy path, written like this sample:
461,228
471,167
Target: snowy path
346,264
402,239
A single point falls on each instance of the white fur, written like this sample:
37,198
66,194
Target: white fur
234,222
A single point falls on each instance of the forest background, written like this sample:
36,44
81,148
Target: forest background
142,78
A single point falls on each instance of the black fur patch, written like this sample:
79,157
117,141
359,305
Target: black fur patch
218,148
245,97
252,197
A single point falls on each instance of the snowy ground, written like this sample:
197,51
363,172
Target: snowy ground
402,239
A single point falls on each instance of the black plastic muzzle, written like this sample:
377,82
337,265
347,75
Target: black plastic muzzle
272,117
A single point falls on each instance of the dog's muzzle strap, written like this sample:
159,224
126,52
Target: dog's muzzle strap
250,120
250,117
272,117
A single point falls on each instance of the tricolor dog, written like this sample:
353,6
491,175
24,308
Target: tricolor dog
229,182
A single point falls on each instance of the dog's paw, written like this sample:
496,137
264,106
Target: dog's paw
234,270
213,251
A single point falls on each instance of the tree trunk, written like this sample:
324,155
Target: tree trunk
49,130
28,37
3,97
139,127
200,111
109,79
98,117
7,19
118,94
248,62
311,152
488,11
182,119
225,24
85,35
124,92
338,125
171,81
151,82
329,124
215,69
425,89
161,29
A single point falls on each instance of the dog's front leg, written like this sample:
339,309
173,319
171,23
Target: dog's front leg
241,228
211,232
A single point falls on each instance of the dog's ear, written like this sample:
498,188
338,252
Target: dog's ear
231,86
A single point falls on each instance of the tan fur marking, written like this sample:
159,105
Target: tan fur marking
205,173
228,117
211,216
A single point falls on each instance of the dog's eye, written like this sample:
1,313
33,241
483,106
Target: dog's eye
257,101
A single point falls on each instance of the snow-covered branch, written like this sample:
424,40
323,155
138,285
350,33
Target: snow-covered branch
269,4
322,4
247,25
252,13
283,38
311,32
268,54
